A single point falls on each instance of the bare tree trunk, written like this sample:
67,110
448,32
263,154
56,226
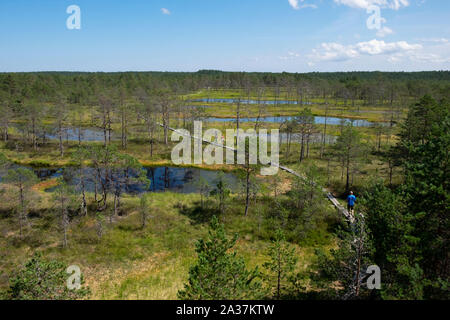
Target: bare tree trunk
116,203
328,171
83,196
109,129
79,132
289,137
247,191
5,133
65,237
391,168
166,122
64,221
302,147
22,213
123,137
238,113
307,145
150,135
95,190
166,130
115,208
99,227
324,134
104,126
347,183
105,136
61,148
34,134
279,277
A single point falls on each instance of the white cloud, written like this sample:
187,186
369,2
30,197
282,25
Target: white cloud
420,2
364,4
375,47
339,52
437,53
428,58
295,4
359,4
383,32
395,58
435,40
312,6
290,55
335,52
165,11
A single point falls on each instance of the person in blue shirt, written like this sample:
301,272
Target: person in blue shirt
351,199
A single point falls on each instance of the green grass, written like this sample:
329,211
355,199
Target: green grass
130,262
373,113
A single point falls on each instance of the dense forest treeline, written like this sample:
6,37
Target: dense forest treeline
368,86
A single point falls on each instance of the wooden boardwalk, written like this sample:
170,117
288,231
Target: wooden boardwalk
350,218
330,197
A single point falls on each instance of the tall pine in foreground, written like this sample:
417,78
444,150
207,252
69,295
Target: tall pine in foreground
282,262
424,149
395,246
220,274
410,226
428,189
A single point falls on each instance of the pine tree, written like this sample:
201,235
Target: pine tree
3,161
219,273
22,179
144,207
342,273
423,151
221,192
79,158
349,149
203,188
64,197
282,261
305,123
428,189
40,279
394,244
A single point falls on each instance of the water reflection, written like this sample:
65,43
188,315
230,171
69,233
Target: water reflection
251,101
281,119
175,179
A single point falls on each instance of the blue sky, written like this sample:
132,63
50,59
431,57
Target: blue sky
232,35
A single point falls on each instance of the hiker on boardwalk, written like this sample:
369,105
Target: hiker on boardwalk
351,199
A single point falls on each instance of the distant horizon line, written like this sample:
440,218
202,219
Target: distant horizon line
220,71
